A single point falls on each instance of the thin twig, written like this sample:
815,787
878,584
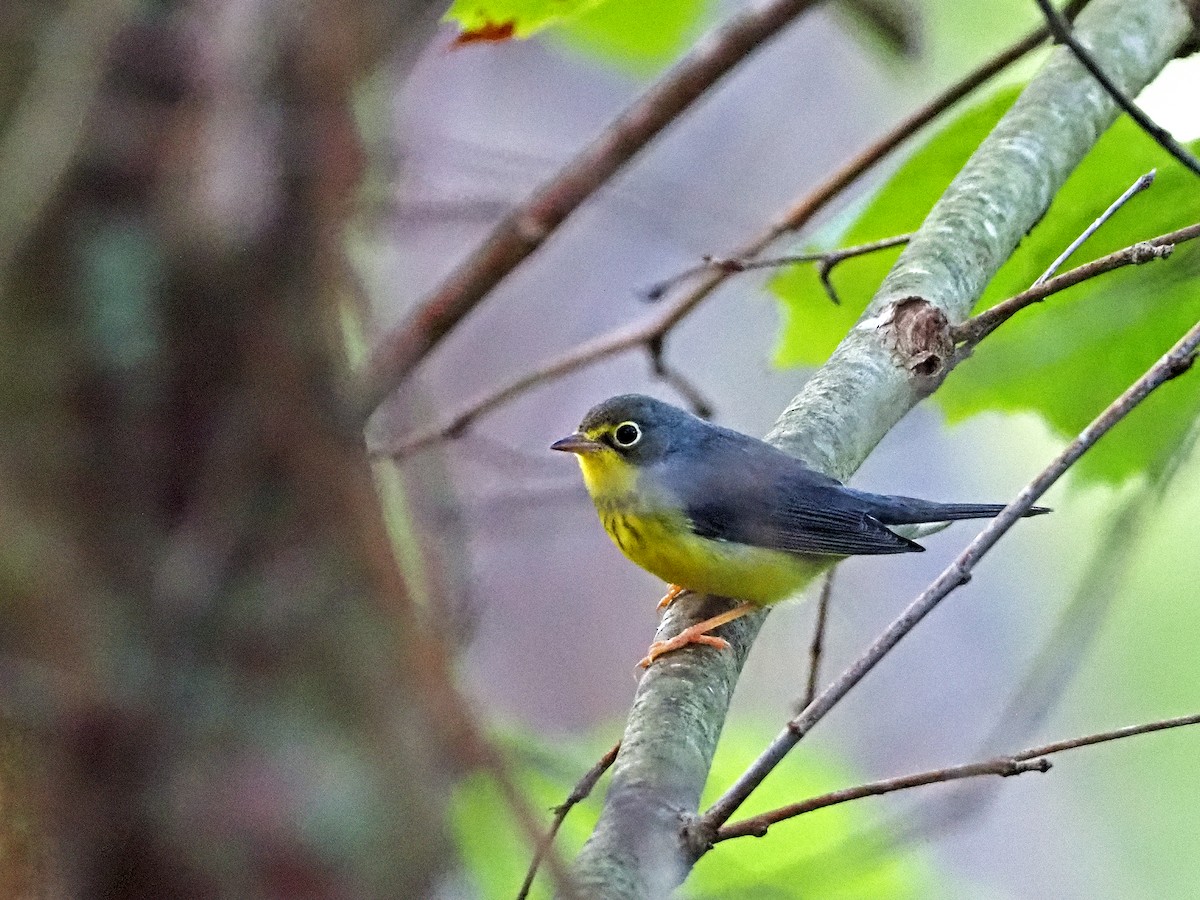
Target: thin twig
579,793
979,326
1136,188
1030,760
1047,678
639,334
802,211
696,401
818,640
1174,363
734,265
528,226
1062,33
645,334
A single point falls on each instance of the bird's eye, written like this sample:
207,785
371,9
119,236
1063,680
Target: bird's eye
627,434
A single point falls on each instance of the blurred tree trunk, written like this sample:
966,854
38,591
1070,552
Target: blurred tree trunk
211,667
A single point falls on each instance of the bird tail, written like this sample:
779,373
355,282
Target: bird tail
911,511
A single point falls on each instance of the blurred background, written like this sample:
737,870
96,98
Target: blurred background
213,684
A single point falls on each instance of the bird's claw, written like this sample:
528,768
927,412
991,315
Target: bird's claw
683,639
673,592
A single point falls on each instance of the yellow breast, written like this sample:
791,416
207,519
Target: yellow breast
652,532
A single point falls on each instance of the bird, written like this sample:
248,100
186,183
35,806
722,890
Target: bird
715,511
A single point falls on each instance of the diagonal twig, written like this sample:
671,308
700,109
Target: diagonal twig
528,226
404,347
578,794
1062,33
1030,760
1174,363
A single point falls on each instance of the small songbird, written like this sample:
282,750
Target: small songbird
715,511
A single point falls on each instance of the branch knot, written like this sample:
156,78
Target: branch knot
918,333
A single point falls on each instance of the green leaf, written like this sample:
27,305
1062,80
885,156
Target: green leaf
1143,668
492,846
500,19
812,324
638,36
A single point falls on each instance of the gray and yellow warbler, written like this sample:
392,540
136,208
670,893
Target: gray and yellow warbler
714,511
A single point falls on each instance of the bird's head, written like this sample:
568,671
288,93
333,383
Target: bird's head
626,434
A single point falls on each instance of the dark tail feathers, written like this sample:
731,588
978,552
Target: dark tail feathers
911,511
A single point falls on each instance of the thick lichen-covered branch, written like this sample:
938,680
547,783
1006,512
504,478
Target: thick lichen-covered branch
894,356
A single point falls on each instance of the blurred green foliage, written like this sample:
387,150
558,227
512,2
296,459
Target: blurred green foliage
636,36
828,853
631,34
525,17
1067,358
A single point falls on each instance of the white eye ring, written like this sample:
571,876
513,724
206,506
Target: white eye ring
625,440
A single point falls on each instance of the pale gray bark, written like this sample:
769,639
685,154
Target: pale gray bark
890,360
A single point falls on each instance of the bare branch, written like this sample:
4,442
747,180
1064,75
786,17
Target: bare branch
631,337
696,401
1062,33
1174,363
1137,187
524,230
735,265
976,328
403,348
578,794
1030,760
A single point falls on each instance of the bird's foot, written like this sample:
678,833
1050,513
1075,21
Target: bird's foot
673,592
684,638
697,634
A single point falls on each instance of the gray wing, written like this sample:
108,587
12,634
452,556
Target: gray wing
772,500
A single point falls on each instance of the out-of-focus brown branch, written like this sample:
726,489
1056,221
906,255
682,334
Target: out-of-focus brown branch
44,131
525,230
1030,760
641,334
1174,363
527,227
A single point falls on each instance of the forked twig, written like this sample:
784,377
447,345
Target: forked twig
825,259
1030,760
979,326
1136,188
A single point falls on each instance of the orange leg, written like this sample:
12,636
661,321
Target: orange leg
697,634
673,592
